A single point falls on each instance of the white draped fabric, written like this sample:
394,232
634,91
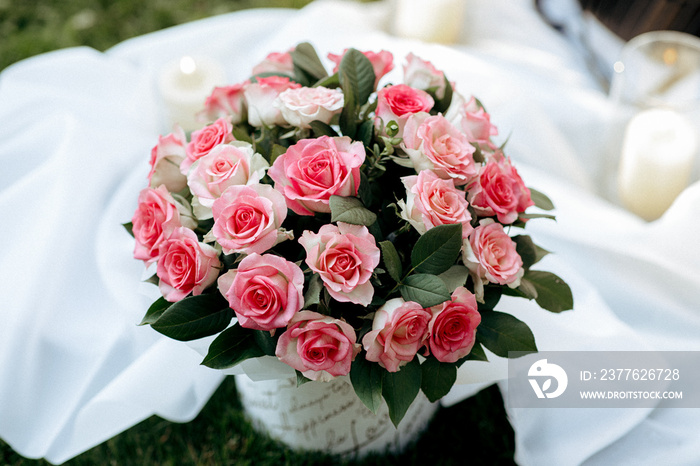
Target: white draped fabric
76,129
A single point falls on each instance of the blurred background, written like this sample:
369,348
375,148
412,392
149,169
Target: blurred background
31,27
220,434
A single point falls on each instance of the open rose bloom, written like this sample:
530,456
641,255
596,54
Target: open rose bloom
344,224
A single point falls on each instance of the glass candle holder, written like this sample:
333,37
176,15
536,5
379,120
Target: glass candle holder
656,86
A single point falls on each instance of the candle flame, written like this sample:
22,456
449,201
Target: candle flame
670,56
187,65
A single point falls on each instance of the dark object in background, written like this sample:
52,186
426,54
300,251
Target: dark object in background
629,18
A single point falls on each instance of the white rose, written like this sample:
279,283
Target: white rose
303,105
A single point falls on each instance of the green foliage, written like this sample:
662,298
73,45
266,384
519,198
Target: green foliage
437,250
366,378
553,294
356,77
307,65
425,289
351,210
541,200
155,311
232,346
400,389
194,317
500,333
392,261
437,378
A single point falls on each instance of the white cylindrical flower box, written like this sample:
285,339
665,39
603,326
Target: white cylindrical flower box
328,416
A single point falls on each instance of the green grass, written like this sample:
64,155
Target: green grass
31,27
475,431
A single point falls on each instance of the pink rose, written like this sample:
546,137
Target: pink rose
432,201
433,143
471,117
345,257
490,255
264,291
225,102
303,105
399,102
204,140
157,215
166,157
225,165
382,62
318,346
247,219
313,170
421,74
261,96
275,62
399,330
453,326
499,191
186,265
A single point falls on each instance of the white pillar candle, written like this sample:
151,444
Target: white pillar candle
431,21
658,150
184,85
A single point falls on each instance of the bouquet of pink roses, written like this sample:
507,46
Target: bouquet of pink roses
345,228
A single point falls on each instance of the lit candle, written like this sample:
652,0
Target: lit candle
431,21
184,85
658,151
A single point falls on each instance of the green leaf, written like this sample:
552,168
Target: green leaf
437,378
351,210
365,132
194,317
454,277
528,289
437,250
541,200
155,311
366,378
232,346
276,151
356,75
476,354
532,216
427,290
540,253
266,342
301,378
129,227
553,294
501,332
478,155
322,129
400,389
348,116
332,81
525,249
441,105
313,293
153,279
240,134
492,294
304,57
391,260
